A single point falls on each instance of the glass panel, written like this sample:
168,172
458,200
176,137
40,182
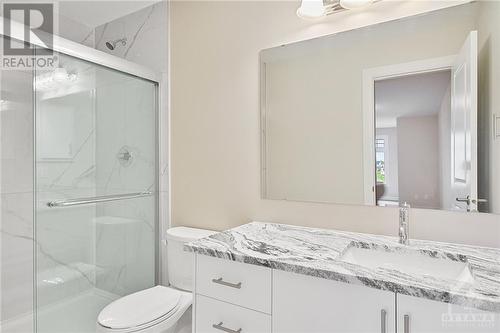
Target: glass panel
95,136
16,204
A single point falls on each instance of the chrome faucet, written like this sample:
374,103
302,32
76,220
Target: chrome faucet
404,224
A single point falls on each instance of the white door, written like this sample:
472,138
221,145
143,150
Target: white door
464,126
305,304
418,315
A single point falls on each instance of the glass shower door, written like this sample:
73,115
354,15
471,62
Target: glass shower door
95,183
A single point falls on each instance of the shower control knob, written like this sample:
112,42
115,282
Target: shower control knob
124,156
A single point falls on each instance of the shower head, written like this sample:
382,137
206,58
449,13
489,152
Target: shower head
112,44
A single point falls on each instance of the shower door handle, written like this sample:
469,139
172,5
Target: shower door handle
92,200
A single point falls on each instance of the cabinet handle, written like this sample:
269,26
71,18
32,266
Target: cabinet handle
406,323
225,329
227,284
383,321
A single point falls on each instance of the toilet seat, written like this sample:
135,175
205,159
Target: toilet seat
157,306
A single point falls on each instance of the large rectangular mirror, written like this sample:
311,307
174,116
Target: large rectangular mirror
403,111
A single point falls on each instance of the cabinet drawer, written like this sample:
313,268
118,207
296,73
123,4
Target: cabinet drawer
218,317
242,284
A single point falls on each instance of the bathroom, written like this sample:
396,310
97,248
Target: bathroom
250,166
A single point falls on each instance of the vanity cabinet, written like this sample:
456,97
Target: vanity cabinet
303,303
418,315
233,297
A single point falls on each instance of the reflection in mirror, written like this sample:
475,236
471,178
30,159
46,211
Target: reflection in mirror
412,118
402,111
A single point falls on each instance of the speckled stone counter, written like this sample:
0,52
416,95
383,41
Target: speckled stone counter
318,252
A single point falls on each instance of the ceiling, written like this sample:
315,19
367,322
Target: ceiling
409,96
94,13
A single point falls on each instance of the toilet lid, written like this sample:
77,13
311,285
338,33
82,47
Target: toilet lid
139,308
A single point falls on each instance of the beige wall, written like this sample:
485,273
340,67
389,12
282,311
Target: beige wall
215,123
418,161
313,132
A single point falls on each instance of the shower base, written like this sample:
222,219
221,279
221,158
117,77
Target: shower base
75,315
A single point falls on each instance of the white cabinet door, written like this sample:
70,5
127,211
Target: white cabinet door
214,316
426,316
306,304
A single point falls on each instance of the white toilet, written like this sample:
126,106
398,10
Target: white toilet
157,309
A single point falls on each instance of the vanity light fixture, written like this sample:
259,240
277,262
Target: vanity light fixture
310,9
353,4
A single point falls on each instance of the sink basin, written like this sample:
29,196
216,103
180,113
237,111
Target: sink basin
408,261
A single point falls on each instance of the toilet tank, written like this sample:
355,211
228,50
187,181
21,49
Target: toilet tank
180,263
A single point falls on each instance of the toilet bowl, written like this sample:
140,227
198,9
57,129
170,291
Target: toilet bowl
157,309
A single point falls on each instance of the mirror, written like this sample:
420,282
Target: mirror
403,111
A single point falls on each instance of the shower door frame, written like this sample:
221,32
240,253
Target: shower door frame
94,56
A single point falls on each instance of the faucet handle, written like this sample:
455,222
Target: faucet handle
404,213
404,220
404,205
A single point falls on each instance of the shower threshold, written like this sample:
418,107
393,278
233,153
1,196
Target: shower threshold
73,315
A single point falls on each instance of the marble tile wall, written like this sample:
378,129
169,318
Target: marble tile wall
75,31
146,33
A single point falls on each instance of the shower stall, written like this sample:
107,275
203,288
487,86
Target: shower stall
79,187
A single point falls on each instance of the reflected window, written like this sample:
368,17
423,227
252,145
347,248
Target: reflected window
380,160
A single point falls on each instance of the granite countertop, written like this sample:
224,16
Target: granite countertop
318,252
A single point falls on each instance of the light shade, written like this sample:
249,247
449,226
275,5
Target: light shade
311,9
352,4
